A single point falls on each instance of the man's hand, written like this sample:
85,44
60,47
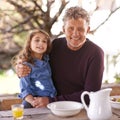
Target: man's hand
22,70
40,102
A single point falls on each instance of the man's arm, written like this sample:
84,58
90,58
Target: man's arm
22,70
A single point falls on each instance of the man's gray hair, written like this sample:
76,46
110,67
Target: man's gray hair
76,13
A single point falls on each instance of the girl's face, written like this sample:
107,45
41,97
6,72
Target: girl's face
38,45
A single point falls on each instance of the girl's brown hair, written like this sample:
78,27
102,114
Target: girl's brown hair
25,54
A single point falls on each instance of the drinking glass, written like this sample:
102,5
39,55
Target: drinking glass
17,111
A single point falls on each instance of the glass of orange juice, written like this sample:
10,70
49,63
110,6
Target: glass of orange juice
17,111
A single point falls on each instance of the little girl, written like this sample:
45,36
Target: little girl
39,81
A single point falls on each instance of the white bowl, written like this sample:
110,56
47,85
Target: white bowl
65,108
115,104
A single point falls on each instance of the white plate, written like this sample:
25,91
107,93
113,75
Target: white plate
115,104
65,108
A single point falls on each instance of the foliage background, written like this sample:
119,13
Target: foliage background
19,17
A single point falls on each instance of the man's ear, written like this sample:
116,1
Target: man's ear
88,30
63,28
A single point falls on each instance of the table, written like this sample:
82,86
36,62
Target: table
45,114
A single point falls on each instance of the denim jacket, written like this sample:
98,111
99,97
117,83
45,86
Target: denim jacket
39,81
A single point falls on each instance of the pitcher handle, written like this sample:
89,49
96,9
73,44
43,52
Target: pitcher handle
83,100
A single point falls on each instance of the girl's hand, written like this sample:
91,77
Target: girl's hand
40,102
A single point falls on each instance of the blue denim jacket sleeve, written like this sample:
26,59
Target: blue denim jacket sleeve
25,86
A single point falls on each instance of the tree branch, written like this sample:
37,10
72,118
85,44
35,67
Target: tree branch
112,12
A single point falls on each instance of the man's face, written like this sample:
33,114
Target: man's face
75,31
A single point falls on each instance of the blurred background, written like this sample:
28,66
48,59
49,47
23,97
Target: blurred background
19,17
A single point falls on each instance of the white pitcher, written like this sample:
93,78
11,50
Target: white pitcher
99,107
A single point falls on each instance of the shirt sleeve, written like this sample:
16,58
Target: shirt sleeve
25,87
